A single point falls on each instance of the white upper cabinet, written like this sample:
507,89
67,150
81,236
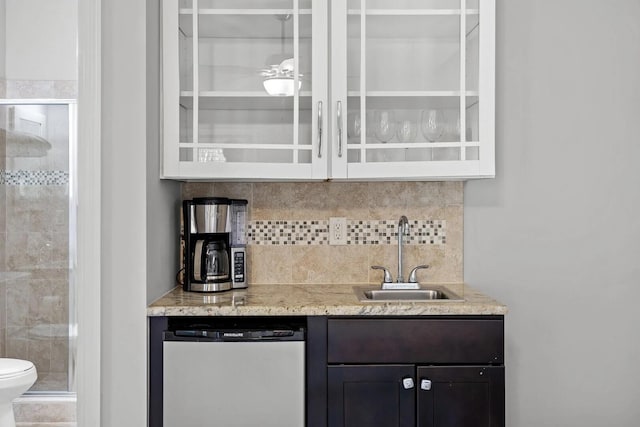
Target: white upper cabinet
342,89
219,59
415,82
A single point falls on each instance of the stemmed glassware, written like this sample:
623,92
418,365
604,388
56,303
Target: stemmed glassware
353,125
407,131
432,124
384,125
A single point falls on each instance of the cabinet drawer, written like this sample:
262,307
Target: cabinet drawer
466,340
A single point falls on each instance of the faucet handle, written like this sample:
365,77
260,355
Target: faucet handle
387,274
413,274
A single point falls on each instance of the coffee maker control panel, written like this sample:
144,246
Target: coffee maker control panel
239,268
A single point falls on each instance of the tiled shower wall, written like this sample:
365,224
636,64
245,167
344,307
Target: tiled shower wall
37,289
288,229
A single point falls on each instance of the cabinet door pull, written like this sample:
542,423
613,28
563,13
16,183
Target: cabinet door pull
319,129
339,111
407,383
425,385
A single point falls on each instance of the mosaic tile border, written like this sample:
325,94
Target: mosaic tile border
359,232
26,177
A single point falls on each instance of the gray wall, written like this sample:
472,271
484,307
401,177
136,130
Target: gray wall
41,32
124,222
3,36
163,197
556,235
138,231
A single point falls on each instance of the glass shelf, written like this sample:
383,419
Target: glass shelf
243,101
413,12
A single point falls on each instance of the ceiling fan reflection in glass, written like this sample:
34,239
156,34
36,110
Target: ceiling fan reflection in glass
279,80
279,76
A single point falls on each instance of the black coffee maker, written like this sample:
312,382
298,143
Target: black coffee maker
214,244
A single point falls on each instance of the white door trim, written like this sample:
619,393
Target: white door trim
89,218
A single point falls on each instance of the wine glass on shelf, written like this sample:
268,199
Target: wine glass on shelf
407,127
432,124
353,125
407,131
384,125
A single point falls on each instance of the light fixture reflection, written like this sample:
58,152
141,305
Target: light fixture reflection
279,79
280,86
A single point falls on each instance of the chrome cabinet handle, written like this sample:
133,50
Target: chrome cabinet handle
319,129
407,383
425,385
339,111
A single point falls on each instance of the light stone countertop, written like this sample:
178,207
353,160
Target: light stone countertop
314,300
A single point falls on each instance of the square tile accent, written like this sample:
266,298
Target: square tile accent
313,232
33,177
359,232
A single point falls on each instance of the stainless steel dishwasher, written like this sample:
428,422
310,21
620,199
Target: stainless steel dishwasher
234,373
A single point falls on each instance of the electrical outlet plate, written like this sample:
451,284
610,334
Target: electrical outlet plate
337,231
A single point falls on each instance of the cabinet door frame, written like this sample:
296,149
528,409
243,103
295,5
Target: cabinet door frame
341,375
484,167
169,159
442,377
170,165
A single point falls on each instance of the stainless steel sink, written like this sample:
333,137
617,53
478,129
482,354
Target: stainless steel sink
432,293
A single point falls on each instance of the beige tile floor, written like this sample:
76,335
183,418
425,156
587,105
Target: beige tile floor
51,381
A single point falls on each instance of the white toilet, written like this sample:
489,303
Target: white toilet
16,377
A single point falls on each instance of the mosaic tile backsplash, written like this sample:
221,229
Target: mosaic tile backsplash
359,232
288,229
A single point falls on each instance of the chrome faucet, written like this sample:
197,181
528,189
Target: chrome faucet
403,230
387,283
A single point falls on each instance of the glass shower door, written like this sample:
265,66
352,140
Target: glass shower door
37,237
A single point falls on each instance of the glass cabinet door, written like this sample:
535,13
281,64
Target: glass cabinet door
414,96
243,82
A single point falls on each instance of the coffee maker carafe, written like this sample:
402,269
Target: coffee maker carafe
211,261
214,244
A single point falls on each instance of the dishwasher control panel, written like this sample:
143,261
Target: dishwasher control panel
215,329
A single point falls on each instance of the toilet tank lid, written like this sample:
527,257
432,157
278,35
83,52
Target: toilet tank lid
11,367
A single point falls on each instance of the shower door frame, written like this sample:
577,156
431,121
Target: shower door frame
72,112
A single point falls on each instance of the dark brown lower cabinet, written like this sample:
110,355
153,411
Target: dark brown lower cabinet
409,396
368,371
407,372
